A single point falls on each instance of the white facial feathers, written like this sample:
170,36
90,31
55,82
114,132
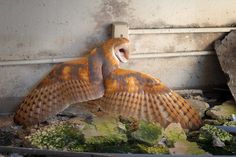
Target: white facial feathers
121,53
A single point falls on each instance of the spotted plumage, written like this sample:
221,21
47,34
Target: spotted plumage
98,80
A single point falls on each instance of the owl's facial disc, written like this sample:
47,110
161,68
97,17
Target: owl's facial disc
122,53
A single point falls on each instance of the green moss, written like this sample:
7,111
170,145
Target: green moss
153,149
223,111
207,132
66,137
207,135
103,132
194,149
186,148
230,123
131,124
174,132
106,140
148,132
227,150
110,135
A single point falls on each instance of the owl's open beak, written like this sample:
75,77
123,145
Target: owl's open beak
122,53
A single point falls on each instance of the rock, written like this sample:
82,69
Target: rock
10,134
187,93
197,97
77,110
131,124
6,121
163,141
230,123
193,135
225,50
199,105
6,138
148,132
217,142
186,148
212,122
104,131
209,132
223,111
229,129
174,132
233,117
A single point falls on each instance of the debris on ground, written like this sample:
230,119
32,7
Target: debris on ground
78,130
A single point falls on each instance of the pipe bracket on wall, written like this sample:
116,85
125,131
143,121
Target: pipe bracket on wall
120,29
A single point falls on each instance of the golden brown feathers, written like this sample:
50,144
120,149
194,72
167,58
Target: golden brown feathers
97,77
138,95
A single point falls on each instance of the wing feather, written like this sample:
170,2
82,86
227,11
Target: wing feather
141,96
61,88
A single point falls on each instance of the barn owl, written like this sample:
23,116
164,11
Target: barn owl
98,79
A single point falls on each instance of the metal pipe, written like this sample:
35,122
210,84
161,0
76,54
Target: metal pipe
133,56
35,61
181,30
171,54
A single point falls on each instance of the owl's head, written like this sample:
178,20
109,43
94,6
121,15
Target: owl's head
116,50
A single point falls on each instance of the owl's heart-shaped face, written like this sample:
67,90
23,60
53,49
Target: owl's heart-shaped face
116,51
121,52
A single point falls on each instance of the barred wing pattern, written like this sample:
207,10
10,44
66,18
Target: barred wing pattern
66,84
138,95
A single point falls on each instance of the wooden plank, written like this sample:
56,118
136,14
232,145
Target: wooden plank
226,52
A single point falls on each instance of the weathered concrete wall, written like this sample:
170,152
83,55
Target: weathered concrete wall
69,28
42,28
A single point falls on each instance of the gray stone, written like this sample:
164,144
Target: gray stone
103,130
226,53
186,148
174,132
217,142
6,121
223,111
199,105
212,122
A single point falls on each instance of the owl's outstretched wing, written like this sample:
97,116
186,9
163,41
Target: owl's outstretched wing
133,94
66,84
